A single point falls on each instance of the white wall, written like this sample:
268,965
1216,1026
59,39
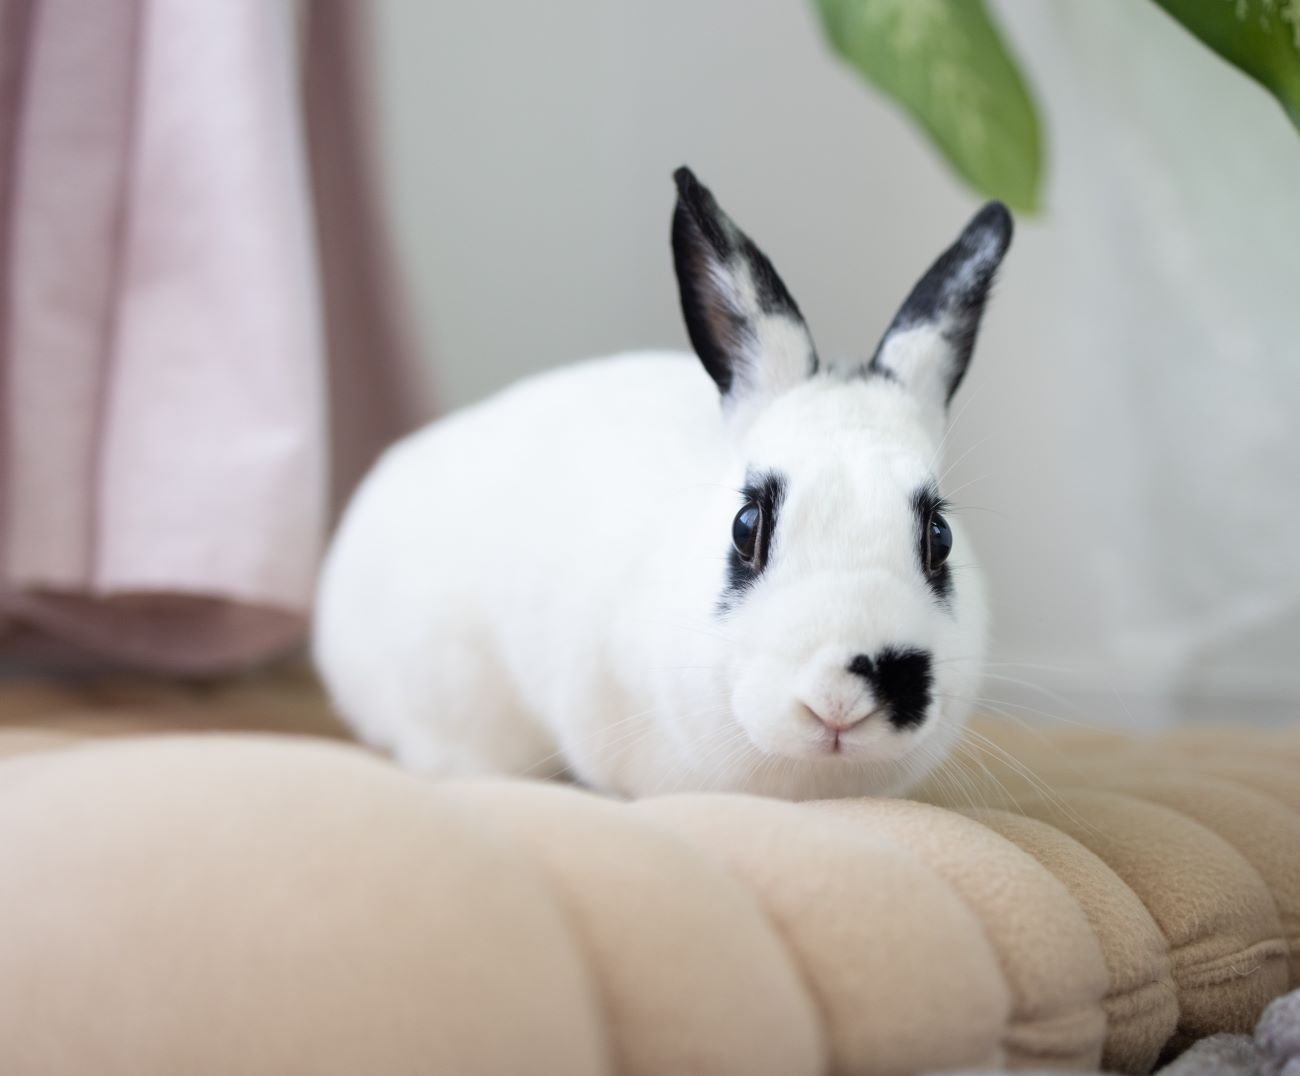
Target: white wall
1126,449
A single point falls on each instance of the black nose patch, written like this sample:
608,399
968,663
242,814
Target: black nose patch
901,680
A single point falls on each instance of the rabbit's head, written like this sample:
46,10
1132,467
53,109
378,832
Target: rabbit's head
853,614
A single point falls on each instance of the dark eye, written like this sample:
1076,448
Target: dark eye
938,542
744,530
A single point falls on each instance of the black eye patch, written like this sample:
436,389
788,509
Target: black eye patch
927,506
764,491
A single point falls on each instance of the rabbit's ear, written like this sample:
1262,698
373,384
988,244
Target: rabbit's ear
743,323
928,346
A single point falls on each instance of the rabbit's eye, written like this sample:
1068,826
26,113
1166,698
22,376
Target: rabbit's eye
938,542
744,530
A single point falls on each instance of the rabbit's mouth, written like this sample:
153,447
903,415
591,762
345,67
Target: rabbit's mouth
841,736
864,737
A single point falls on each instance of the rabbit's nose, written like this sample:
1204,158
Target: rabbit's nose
901,679
836,719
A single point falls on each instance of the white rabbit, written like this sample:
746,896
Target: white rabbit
608,573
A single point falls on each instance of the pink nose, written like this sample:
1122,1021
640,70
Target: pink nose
837,721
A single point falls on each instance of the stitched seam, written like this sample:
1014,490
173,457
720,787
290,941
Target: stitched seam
1236,965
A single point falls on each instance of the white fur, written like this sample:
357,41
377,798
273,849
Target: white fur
531,586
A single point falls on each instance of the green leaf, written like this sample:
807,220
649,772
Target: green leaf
943,61
1259,37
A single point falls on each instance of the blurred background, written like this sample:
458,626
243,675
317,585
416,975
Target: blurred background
343,218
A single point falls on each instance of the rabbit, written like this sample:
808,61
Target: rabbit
657,572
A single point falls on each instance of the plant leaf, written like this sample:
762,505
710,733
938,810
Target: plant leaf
944,62
1259,37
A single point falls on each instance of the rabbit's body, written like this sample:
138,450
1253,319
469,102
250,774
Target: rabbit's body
603,573
473,602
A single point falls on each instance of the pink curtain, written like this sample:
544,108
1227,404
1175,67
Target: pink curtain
200,346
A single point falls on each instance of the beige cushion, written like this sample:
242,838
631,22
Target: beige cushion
221,905
1055,1020
889,952
667,934
1140,1003
232,901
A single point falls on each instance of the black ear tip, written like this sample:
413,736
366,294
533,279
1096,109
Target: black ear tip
696,205
997,216
992,227
692,193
